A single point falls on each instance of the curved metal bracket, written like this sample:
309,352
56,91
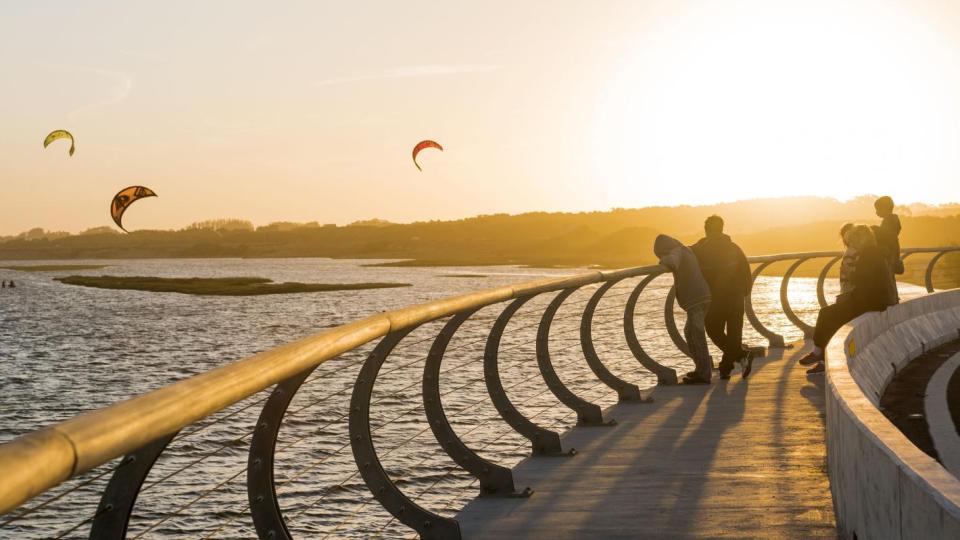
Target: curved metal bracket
116,503
494,479
785,300
775,340
671,321
665,375
821,295
261,489
928,279
588,414
625,391
427,524
544,441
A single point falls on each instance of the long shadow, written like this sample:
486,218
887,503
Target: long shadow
563,480
674,495
668,437
724,409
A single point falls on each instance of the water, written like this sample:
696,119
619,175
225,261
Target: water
66,349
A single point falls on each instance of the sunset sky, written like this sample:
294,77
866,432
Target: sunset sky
307,111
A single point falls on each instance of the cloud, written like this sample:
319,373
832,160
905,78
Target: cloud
121,85
406,72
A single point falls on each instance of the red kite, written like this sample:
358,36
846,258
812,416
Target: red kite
420,146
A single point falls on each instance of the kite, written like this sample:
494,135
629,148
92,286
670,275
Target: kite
59,134
420,146
123,200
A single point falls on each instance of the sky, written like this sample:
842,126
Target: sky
308,111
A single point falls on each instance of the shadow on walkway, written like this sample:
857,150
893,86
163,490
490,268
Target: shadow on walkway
740,458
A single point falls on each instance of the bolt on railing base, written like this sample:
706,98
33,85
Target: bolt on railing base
512,495
606,423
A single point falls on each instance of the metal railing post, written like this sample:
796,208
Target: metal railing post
261,489
625,391
774,339
785,300
822,279
665,375
544,442
928,278
670,320
428,525
116,503
494,479
588,414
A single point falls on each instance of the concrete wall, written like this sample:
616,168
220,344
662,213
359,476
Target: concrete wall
883,486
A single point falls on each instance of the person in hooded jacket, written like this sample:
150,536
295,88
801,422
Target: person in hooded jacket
693,295
727,272
870,291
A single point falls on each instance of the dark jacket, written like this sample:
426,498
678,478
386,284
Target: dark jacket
888,239
692,288
871,281
724,266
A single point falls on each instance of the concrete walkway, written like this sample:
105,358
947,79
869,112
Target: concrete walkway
738,459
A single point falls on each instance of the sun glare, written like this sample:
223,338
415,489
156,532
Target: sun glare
720,105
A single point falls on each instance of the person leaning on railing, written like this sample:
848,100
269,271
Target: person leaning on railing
727,271
868,291
693,295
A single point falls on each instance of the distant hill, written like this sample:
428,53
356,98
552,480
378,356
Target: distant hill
616,238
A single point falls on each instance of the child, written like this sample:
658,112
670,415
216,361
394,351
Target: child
693,295
888,236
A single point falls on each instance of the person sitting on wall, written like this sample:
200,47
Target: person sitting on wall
693,295
727,272
869,291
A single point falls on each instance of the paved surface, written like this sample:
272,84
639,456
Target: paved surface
739,459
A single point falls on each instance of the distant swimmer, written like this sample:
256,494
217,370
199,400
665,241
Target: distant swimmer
3,285
11,284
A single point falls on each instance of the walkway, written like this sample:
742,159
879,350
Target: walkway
743,459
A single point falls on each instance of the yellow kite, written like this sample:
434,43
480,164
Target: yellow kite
59,134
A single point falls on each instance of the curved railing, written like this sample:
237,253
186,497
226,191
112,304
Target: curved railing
138,430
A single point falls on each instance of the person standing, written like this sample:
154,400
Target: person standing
693,295
888,238
727,272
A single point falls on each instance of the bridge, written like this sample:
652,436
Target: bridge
741,458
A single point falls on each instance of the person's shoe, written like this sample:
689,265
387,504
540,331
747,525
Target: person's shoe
695,379
810,359
690,374
747,364
819,368
724,375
